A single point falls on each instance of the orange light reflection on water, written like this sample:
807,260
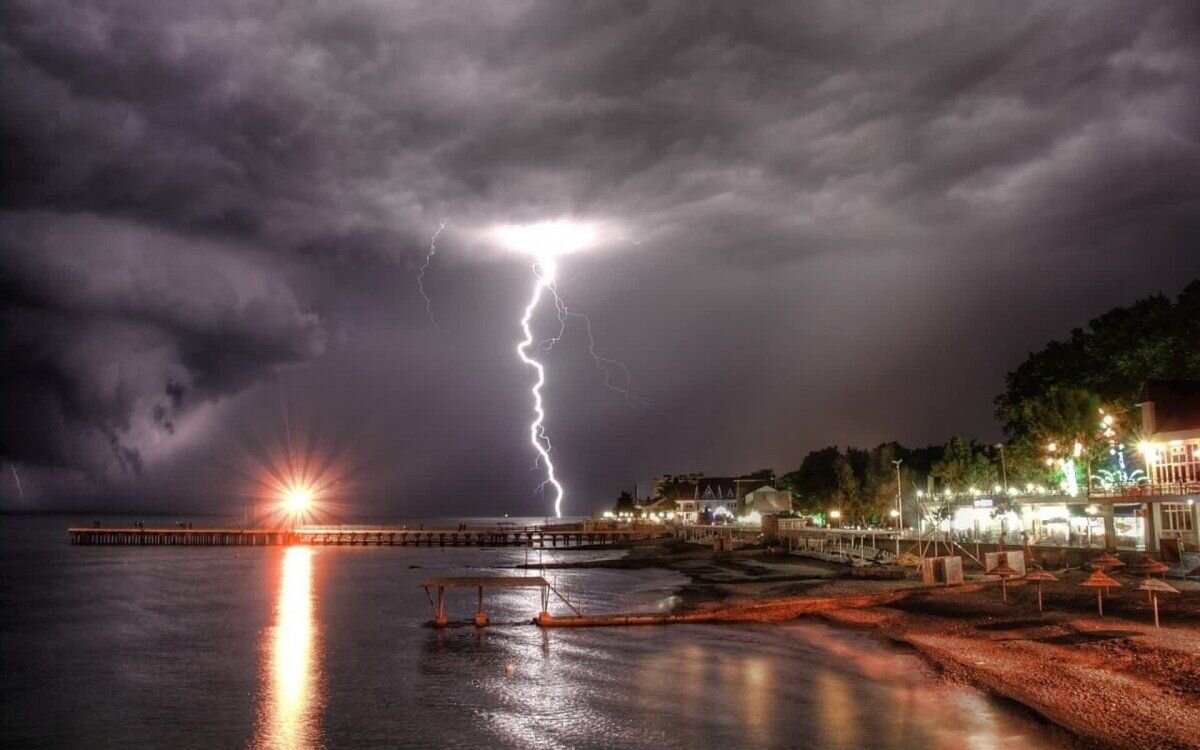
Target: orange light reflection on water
288,718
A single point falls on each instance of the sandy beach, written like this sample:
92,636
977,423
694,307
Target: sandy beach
1112,681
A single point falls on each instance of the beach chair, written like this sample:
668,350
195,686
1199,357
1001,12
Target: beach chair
1181,564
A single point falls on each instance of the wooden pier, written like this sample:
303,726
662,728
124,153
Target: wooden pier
441,620
355,536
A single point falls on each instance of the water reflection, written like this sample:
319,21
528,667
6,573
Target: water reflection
838,708
288,715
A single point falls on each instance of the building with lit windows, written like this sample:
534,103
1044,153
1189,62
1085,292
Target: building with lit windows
1171,447
704,499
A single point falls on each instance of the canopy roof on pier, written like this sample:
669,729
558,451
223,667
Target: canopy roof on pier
504,582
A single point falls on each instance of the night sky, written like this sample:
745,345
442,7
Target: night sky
823,223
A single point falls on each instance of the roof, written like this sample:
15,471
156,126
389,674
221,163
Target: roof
1176,404
765,488
722,488
489,582
659,503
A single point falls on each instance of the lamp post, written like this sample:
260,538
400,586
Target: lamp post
899,506
1003,467
896,515
835,515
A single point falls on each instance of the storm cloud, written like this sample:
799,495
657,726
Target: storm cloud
838,222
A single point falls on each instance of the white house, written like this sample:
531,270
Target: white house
767,499
711,498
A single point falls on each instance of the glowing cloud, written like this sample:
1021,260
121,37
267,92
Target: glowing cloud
546,239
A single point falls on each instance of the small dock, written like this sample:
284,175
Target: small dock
365,536
441,620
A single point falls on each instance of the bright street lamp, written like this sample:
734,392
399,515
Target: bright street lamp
899,507
1003,467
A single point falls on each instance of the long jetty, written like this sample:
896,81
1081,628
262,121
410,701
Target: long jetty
356,536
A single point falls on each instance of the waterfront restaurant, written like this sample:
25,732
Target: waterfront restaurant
1045,519
1171,447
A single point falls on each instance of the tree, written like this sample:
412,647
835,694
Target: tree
1111,358
879,482
848,495
814,484
624,503
964,466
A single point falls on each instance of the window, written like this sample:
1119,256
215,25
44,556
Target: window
1176,517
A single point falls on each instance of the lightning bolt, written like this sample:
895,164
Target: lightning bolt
17,477
603,364
421,274
543,273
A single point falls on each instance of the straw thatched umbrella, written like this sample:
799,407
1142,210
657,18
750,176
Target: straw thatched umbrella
1100,581
1147,566
1005,573
1105,561
1155,587
1040,576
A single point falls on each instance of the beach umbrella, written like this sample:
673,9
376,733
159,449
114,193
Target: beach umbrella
1147,566
1040,576
1005,573
1100,581
1155,587
1105,561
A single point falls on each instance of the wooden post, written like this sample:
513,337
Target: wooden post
441,607
480,618
1100,600
1154,598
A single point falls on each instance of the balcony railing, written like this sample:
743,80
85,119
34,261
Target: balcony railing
1164,489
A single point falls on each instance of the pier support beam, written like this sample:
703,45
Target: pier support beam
440,620
481,618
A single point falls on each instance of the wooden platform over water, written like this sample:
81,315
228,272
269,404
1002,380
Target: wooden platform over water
353,536
440,620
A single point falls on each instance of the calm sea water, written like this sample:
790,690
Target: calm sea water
128,647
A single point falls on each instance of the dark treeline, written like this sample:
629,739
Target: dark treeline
861,483
1058,396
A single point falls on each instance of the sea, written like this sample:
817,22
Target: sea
299,648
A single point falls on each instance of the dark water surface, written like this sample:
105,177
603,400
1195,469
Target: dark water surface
143,647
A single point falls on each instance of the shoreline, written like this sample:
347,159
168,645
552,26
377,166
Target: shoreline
1110,682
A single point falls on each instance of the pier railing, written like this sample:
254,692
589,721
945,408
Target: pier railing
357,536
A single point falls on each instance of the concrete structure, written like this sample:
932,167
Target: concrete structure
767,499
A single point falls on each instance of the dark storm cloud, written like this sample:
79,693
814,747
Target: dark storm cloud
113,331
196,195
